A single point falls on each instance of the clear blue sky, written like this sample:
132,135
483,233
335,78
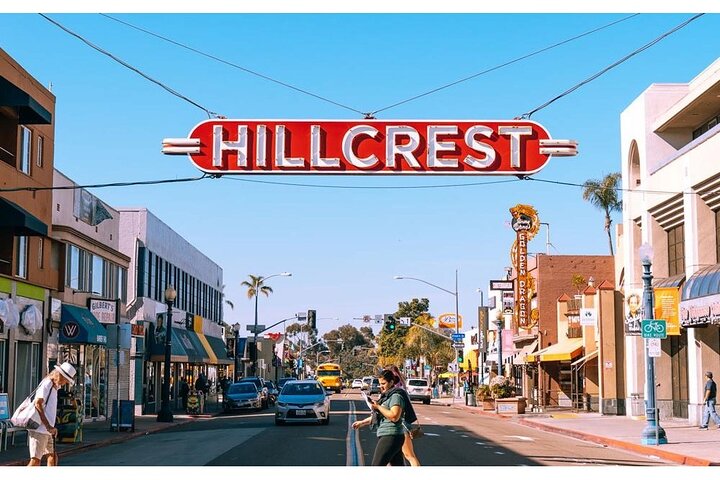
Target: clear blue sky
344,246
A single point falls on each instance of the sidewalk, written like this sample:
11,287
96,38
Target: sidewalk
98,434
687,445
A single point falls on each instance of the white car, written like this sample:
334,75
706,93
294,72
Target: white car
357,383
303,401
419,389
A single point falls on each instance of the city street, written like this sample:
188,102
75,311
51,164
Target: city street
452,438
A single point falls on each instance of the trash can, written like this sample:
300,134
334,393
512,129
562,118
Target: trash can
470,399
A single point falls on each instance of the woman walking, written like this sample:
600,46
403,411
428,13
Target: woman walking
409,417
388,410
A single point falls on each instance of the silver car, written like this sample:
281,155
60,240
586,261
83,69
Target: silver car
303,401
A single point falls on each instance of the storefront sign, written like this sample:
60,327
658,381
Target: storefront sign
501,285
447,320
588,317
416,147
700,311
525,222
481,337
104,310
667,304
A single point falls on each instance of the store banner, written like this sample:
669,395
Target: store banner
667,307
481,337
633,312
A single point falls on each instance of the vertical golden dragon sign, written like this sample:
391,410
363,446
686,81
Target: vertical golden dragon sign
526,224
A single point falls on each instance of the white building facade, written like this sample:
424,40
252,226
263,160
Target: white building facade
670,146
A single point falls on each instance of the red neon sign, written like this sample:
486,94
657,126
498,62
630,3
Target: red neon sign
415,147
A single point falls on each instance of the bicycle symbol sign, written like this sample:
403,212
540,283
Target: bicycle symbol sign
653,328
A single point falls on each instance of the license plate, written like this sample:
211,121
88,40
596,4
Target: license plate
300,413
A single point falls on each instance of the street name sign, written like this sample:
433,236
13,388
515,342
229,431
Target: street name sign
457,336
255,329
458,345
653,328
368,146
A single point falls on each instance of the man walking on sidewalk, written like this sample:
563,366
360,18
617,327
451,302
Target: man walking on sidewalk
709,405
41,441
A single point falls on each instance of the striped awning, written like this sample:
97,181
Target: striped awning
565,350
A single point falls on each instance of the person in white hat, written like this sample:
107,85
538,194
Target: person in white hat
41,441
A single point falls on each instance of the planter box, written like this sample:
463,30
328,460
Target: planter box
511,406
488,404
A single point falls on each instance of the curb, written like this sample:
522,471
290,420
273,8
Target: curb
611,442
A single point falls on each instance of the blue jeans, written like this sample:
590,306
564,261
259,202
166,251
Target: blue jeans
708,411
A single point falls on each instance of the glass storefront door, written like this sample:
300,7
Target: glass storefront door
95,381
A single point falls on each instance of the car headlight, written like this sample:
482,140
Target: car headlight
320,404
282,404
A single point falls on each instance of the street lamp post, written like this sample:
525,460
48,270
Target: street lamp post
500,323
653,433
255,329
457,318
236,330
165,414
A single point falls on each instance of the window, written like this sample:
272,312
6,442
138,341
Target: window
25,141
72,276
3,366
97,275
121,283
41,253
676,250
21,257
717,235
39,151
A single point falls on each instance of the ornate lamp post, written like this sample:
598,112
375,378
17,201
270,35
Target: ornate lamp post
236,330
165,414
653,433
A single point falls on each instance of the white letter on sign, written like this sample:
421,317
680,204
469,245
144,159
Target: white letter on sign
261,147
405,150
479,146
315,159
347,146
435,146
280,159
219,146
515,133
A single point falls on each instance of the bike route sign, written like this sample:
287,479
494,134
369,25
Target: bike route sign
653,328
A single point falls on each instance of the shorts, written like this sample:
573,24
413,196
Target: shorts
40,444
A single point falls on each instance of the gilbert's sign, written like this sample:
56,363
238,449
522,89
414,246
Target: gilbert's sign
499,147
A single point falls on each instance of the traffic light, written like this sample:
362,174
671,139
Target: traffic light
460,357
311,318
390,323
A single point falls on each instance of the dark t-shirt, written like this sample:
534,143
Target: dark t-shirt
710,385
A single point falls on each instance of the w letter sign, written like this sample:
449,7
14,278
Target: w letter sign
415,147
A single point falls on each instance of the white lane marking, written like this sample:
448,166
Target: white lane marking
520,437
499,453
479,443
464,436
428,434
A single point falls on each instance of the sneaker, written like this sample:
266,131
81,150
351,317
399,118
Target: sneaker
703,428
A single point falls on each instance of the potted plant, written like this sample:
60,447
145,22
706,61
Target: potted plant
504,394
484,398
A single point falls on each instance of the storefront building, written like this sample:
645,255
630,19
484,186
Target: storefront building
28,270
160,257
669,144
89,306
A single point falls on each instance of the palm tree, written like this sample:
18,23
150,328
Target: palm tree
603,194
254,286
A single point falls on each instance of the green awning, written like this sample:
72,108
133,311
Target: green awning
79,326
219,349
185,347
18,220
29,111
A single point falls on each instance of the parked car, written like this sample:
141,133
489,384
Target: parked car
419,389
273,391
357,383
366,383
374,386
241,396
260,384
303,401
281,383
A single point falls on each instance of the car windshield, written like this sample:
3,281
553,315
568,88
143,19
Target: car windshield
417,383
242,388
328,373
283,381
302,389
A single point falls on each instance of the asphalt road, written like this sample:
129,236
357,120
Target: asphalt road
452,438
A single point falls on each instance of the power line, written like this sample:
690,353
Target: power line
234,65
497,67
372,187
209,113
618,189
603,71
105,185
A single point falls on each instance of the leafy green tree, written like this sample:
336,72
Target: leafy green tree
420,343
603,194
392,345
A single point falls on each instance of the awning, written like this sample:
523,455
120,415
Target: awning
447,375
583,360
519,358
669,282
30,112
185,347
79,326
561,351
18,220
215,348
704,282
